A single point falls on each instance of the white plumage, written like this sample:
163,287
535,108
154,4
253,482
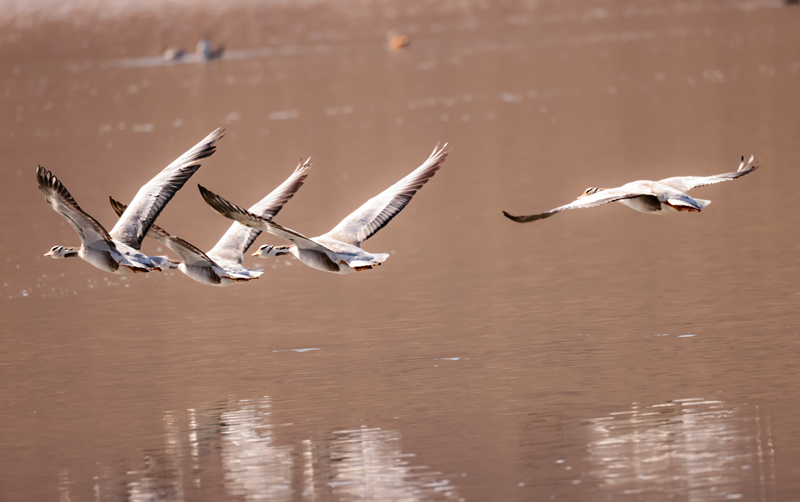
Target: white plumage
222,266
338,251
118,251
653,197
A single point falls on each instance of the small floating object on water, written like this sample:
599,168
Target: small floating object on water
173,54
397,41
654,197
207,52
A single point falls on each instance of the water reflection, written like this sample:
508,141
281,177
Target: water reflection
235,451
368,464
162,478
697,449
255,467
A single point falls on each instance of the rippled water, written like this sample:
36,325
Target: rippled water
600,354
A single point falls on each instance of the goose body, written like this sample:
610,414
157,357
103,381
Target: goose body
321,253
652,197
338,251
118,251
222,266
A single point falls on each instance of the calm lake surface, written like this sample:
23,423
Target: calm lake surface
602,354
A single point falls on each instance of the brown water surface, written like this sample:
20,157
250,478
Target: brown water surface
601,354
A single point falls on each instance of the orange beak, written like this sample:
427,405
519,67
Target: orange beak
49,253
254,254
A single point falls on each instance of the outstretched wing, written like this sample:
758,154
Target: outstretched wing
154,195
596,199
686,183
90,231
377,212
187,252
239,238
245,217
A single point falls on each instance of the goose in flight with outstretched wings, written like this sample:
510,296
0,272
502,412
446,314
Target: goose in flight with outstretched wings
654,197
118,251
338,251
222,266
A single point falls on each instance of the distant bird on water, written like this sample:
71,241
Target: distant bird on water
207,52
173,54
338,251
118,251
654,197
222,266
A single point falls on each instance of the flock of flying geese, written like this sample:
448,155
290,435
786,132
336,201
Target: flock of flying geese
338,251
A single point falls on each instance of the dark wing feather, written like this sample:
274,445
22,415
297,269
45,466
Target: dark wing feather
686,183
154,195
90,230
245,217
377,212
602,197
239,238
188,253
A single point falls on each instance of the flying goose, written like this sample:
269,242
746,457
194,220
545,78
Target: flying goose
654,197
118,251
338,251
222,266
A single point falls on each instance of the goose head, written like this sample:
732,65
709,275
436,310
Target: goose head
59,252
590,191
266,251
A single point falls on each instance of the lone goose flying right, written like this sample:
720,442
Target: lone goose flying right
654,197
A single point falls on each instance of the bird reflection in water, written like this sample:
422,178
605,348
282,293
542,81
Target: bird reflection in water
236,452
162,478
255,466
694,449
368,464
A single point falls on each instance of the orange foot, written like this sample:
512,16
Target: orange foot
688,209
239,279
139,270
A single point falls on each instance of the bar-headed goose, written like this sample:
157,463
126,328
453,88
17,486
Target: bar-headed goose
222,266
118,251
338,251
654,197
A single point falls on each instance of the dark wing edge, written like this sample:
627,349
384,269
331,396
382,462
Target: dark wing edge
119,209
231,210
245,217
530,217
686,183
377,212
270,205
51,186
597,199
134,224
177,245
238,239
